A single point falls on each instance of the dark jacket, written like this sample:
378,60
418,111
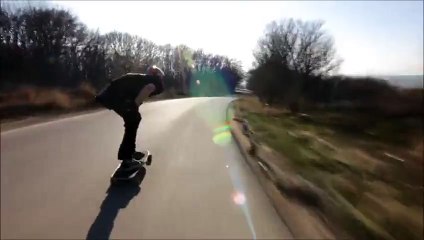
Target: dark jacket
123,90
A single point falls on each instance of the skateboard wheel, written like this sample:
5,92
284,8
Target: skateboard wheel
149,160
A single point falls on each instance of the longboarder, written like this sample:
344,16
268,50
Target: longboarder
124,95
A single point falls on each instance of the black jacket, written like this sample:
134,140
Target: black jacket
123,90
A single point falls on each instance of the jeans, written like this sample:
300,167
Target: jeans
132,118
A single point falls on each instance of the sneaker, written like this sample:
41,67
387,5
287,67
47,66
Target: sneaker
138,155
129,165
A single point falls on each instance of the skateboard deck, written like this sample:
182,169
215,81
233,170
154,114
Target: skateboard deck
118,175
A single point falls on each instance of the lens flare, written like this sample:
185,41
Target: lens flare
222,138
213,84
225,128
205,82
222,135
239,198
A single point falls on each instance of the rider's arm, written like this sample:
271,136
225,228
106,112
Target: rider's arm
145,93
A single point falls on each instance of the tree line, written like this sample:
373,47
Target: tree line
51,47
296,62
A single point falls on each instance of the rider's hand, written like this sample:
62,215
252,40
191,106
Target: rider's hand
145,93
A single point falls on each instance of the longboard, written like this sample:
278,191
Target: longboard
123,176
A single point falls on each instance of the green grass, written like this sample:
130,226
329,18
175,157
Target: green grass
343,154
302,151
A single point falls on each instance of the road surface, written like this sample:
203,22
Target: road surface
55,179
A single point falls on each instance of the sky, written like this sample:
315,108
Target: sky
372,38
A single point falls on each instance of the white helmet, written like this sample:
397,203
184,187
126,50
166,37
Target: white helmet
155,71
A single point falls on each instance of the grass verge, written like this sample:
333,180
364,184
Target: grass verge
370,168
28,101
33,101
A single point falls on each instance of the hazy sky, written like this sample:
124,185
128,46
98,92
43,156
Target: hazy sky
381,37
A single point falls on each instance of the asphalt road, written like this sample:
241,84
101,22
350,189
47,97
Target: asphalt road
55,179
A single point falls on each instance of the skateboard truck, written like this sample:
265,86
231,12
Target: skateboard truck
145,158
140,155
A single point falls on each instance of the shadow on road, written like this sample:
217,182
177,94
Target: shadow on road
117,197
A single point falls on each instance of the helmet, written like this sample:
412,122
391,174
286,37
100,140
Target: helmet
155,71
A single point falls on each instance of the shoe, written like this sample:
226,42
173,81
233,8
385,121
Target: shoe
138,155
129,165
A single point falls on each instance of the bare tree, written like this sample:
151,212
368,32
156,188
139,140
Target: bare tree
49,46
296,52
302,46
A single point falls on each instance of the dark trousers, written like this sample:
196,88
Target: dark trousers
132,119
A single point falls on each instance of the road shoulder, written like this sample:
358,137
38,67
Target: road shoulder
302,222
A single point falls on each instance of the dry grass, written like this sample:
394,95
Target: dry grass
29,100
374,181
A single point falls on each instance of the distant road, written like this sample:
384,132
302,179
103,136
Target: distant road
55,179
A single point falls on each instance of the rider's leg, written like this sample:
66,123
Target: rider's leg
132,119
